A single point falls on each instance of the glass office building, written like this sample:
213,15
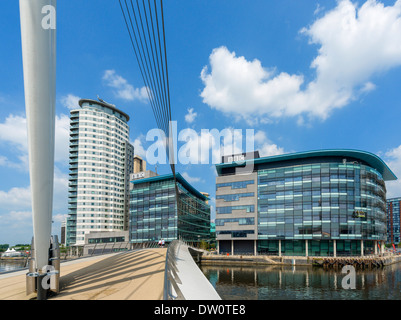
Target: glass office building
156,214
393,221
317,203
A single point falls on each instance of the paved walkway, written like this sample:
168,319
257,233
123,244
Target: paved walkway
137,275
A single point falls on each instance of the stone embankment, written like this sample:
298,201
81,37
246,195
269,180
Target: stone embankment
325,262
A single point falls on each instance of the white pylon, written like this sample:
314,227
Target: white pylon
38,33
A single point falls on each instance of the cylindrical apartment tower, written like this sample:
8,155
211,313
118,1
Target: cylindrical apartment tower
101,160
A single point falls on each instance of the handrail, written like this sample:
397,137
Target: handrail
171,278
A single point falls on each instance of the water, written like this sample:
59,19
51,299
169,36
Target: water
302,283
11,265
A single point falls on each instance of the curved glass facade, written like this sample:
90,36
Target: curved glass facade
317,206
322,201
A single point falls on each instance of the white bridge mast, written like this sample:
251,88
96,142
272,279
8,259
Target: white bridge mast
38,32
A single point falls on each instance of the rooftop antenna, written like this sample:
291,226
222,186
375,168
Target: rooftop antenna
101,100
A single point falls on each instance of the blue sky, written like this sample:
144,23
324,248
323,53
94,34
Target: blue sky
304,75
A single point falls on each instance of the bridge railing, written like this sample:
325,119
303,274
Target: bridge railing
171,277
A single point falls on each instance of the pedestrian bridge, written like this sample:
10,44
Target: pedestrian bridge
142,274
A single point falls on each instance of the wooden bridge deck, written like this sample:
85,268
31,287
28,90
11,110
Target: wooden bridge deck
135,275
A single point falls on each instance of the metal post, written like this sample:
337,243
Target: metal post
306,248
279,248
41,291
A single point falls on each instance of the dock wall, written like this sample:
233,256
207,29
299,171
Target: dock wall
298,261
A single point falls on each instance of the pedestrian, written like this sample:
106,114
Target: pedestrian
162,243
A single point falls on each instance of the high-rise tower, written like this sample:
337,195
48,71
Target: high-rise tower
101,160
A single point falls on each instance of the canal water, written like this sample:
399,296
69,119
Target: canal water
303,283
8,265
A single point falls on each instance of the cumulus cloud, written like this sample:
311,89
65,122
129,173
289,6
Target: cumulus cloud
191,179
393,160
16,197
13,132
20,197
355,44
209,146
70,101
123,89
265,146
139,149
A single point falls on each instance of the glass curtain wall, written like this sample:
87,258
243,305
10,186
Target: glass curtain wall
193,217
319,203
154,214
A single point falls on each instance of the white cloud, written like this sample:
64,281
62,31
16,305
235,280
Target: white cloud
393,160
13,132
19,198
16,210
367,87
190,116
209,146
59,217
318,9
124,90
62,136
265,146
70,101
16,198
191,179
60,190
3,161
355,44
138,146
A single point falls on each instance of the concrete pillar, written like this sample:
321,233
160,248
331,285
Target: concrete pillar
279,248
335,248
361,248
306,248
232,247
382,247
255,247
375,244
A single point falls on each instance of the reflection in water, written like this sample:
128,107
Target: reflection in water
11,265
302,283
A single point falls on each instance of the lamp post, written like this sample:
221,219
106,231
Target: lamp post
38,35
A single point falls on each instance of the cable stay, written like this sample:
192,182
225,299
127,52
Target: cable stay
144,20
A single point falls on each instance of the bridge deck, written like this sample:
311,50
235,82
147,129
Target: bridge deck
136,275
